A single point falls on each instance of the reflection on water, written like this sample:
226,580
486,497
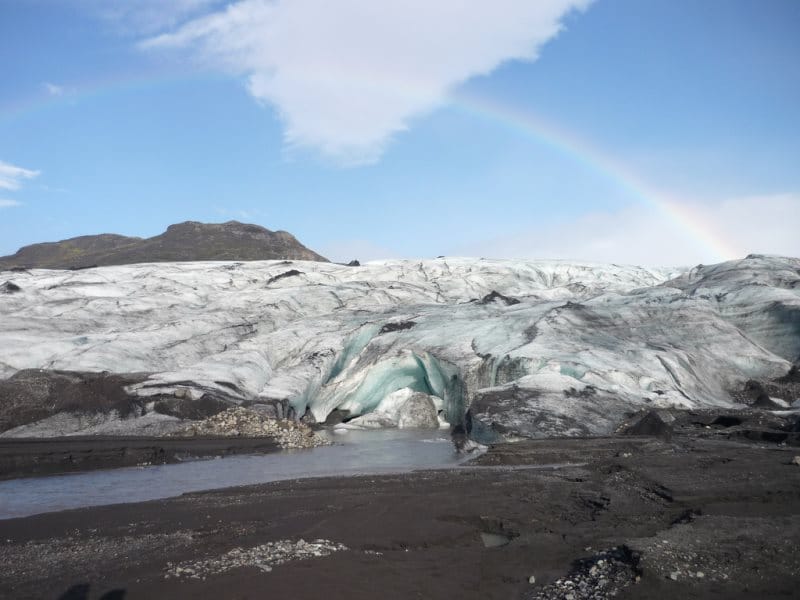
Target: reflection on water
494,540
356,452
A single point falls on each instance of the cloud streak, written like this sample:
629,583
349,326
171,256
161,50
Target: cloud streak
346,76
53,89
147,17
11,176
6,203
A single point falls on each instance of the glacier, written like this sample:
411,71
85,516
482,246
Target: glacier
507,348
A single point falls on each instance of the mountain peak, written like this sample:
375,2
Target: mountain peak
186,241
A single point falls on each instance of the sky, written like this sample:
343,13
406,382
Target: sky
655,132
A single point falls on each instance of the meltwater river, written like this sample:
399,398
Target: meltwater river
354,453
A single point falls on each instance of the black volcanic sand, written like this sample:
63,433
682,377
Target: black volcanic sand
25,457
721,517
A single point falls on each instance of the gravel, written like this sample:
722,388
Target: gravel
238,421
263,557
598,577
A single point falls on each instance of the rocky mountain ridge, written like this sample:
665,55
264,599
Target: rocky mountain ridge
188,241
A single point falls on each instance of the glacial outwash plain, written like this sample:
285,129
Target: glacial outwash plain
610,430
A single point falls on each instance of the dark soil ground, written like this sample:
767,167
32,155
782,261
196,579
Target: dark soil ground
643,517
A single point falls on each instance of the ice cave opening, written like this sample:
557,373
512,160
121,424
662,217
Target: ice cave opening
409,390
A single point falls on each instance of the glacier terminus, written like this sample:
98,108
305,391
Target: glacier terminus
507,348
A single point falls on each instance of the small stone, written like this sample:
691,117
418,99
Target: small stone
700,574
532,579
674,575
796,461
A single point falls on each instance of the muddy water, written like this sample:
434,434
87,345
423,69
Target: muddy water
354,453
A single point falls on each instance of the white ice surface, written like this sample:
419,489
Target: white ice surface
585,344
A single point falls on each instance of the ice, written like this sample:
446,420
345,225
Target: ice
375,375
585,344
405,408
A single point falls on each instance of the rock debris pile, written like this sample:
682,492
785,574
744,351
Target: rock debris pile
602,576
238,421
263,557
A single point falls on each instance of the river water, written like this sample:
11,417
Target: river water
354,453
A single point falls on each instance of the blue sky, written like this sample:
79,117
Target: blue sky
655,132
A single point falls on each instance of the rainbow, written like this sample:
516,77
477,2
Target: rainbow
520,121
580,151
120,82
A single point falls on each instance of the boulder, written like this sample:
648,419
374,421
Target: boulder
9,287
651,424
418,412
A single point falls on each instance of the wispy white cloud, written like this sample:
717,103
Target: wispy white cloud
55,190
641,235
11,176
346,76
53,89
147,17
6,203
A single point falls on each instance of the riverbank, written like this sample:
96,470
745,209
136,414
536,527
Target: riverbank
649,518
31,457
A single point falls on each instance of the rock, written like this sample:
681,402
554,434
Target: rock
398,326
674,575
9,287
274,408
308,418
189,241
764,401
727,421
793,376
418,412
284,275
796,461
495,296
245,422
264,557
337,416
532,579
651,424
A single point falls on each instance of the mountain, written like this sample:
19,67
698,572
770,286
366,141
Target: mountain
512,348
189,241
